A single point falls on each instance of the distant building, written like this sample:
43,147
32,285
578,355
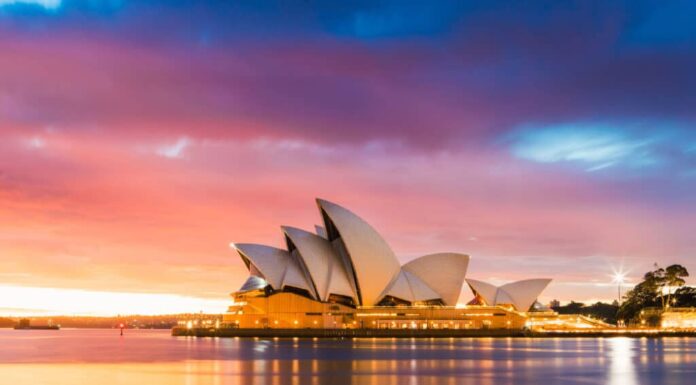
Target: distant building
669,318
554,303
679,318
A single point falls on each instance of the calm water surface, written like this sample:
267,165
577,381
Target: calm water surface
102,357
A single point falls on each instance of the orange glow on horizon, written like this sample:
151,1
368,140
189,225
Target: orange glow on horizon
38,301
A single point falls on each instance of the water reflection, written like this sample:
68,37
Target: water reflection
155,358
622,371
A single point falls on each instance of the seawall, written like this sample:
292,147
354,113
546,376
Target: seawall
420,333
343,333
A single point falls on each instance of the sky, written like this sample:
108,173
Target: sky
139,138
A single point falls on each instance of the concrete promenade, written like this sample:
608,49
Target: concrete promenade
420,333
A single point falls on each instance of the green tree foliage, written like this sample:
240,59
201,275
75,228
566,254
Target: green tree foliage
656,290
674,278
684,297
603,311
644,294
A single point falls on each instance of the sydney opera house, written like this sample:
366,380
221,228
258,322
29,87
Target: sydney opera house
344,275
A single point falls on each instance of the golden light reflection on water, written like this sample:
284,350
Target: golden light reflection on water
622,369
158,359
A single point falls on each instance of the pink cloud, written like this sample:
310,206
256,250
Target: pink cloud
96,193
99,211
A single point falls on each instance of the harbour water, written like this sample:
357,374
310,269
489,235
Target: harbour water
156,358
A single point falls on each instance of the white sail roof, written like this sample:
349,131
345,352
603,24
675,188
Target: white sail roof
324,267
372,260
442,272
520,294
321,231
486,291
524,293
274,265
254,282
400,288
420,289
409,287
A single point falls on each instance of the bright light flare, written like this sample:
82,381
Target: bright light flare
619,277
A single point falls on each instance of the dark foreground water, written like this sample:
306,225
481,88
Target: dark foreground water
102,357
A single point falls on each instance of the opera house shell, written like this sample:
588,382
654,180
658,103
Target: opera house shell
344,275
520,294
348,262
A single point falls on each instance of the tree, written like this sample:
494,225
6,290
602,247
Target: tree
571,308
641,296
674,277
656,280
603,311
685,297
651,291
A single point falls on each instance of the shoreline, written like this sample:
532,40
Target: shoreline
411,333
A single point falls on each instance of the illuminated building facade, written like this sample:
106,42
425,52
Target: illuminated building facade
673,318
679,318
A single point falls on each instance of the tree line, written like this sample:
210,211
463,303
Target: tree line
660,288
600,310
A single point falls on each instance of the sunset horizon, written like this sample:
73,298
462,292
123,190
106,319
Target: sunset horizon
39,301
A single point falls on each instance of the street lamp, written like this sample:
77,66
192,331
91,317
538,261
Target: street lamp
619,278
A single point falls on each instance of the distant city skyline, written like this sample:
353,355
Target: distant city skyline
138,139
